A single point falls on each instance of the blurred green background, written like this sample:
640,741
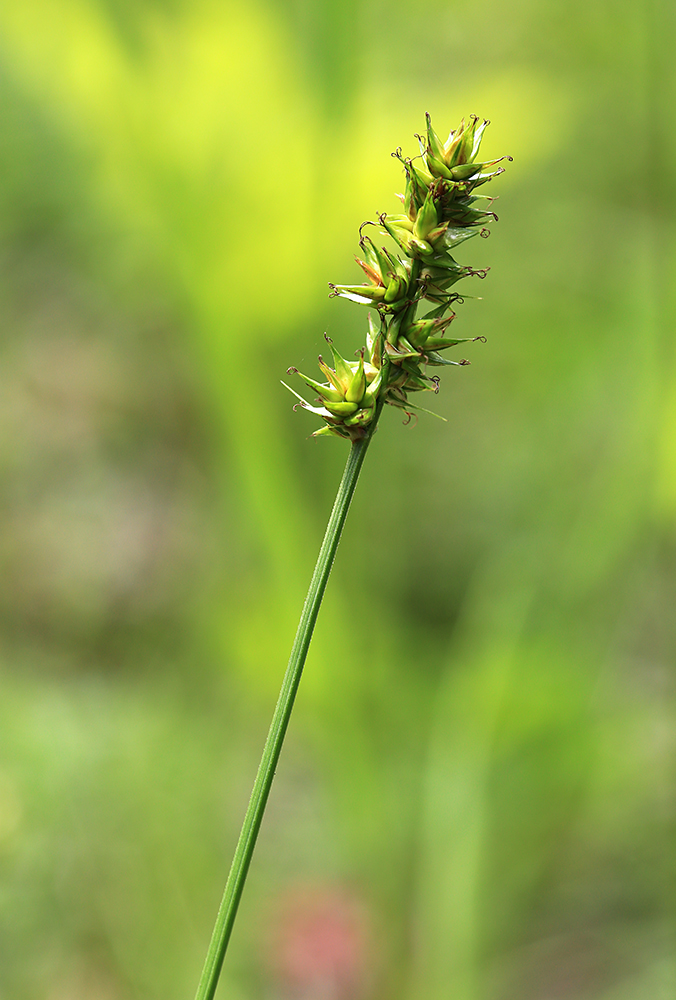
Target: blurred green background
476,801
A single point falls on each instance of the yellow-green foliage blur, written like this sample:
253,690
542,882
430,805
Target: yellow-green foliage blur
476,801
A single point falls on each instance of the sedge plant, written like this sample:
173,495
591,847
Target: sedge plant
416,270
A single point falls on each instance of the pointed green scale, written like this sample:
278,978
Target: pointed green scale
402,268
361,418
437,236
465,216
466,144
330,431
402,221
419,179
438,344
444,262
409,202
393,307
370,256
427,218
438,168
320,411
417,333
381,259
422,175
434,144
441,284
402,349
466,171
397,324
436,360
401,236
371,335
331,376
455,235
453,148
369,293
357,387
374,276
412,367
452,341
343,409
476,139
343,370
396,289
374,342
409,243
372,391
325,391
480,179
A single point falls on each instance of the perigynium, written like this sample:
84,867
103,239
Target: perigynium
417,269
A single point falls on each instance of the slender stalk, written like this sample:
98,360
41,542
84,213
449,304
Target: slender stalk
280,721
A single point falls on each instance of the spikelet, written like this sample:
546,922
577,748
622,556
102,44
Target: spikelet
440,213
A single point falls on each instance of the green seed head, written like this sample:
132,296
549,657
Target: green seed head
416,273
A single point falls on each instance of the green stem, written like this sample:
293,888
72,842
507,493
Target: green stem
280,721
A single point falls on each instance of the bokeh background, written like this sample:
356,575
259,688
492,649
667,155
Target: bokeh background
476,801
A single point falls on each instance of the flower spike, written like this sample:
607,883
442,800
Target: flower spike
441,212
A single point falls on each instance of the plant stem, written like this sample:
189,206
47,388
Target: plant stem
280,721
